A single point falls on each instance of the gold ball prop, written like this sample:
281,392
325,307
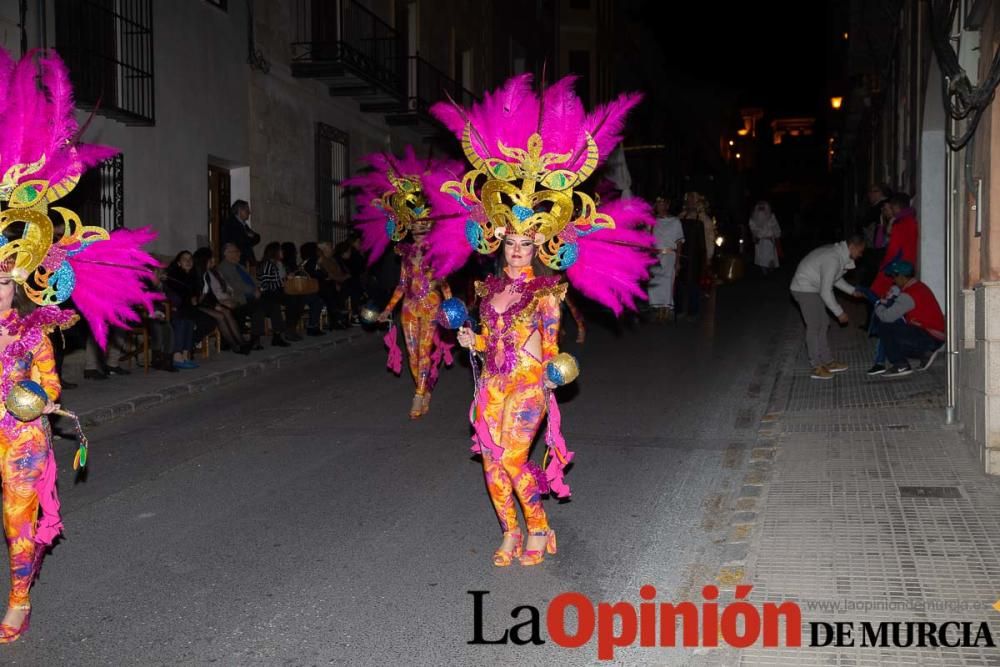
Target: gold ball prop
26,401
563,369
369,314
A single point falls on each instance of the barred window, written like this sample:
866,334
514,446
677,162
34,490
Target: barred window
108,47
99,197
332,167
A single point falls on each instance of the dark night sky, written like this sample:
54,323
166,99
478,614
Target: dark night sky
773,52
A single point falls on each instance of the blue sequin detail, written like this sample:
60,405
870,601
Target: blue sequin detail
64,281
473,233
390,227
3,240
552,372
568,254
453,313
417,210
522,212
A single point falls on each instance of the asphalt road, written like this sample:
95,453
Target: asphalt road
301,518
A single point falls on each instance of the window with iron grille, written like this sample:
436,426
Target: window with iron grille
99,197
108,47
332,167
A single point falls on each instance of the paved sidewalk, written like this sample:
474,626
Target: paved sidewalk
858,494
100,401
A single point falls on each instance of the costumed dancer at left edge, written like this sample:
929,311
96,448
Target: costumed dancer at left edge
529,155
105,273
395,209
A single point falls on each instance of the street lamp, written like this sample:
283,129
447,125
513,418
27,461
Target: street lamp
731,142
836,102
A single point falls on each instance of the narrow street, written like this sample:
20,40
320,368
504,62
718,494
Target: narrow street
299,517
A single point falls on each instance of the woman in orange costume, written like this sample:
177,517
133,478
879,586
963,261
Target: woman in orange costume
394,209
27,464
421,297
529,154
520,333
106,273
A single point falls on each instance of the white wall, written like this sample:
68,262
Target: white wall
931,195
201,109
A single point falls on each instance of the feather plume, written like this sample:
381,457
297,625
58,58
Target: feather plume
112,281
38,118
449,247
613,263
370,221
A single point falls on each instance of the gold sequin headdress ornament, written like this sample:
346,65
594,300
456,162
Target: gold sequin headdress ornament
393,199
529,154
41,161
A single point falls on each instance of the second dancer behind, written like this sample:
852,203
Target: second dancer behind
396,210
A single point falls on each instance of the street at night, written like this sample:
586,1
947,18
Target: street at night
290,522
509,332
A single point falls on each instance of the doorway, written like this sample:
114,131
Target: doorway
219,200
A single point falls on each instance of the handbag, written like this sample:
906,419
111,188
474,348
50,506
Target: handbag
301,284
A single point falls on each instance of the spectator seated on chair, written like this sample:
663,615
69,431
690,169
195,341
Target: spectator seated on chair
218,302
296,304
249,299
913,326
183,288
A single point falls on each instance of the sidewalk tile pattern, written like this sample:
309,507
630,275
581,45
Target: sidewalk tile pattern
833,527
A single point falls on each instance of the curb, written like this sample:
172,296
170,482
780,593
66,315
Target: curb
751,497
108,413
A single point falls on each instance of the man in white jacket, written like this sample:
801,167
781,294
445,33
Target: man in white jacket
812,288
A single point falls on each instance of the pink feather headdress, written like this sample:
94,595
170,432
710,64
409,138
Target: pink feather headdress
393,198
41,161
529,155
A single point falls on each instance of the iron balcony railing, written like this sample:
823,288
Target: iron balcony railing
108,47
345,33
428,84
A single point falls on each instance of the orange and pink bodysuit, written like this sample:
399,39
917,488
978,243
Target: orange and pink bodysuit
511,398
421,295
27,463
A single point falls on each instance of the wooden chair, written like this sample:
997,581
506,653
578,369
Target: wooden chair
137,338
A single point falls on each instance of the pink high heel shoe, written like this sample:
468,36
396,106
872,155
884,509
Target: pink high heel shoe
536,556
502,558
9,634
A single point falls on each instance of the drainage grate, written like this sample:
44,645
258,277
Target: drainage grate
929,492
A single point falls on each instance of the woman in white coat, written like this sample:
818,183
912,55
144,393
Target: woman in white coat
766,232
669,237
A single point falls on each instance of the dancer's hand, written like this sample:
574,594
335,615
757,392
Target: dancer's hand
383,316
549,384
50,407
465,337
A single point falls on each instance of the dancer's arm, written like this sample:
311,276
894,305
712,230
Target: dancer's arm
397,294
43,369
549,315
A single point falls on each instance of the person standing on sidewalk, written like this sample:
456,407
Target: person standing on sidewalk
904,239
812,288
913,326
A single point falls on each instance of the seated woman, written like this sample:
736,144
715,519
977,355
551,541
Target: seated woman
217,301
183,290
314,265
272,287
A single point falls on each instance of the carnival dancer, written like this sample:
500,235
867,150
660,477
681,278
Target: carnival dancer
396,210
529,153
105,273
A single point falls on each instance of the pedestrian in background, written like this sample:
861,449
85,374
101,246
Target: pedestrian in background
669,236
812,288
766,232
